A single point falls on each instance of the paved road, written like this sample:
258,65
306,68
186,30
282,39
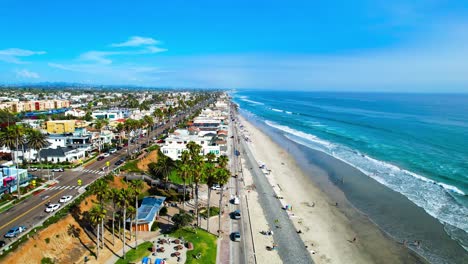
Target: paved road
290,246
32,210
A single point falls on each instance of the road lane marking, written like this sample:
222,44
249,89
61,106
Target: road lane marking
23,214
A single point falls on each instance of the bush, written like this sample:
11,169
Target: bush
182,219
46,260
214,211
47,240
163,211
155,226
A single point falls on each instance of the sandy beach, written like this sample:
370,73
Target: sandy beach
326,231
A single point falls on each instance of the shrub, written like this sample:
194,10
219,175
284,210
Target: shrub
163,211
182,219
155,226
47,240
46,260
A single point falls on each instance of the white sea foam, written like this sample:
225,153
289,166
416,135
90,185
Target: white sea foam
244,98
288,112
276,110
433,196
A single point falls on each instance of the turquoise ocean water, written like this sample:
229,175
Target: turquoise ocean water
415,144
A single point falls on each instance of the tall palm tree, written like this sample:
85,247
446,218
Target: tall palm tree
149,124
137,186
124,203
36,140
184,172
198,173
101,189
97,214
114,196
210,181
120,128
222,177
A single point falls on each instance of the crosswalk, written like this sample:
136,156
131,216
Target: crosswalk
99,172
63,187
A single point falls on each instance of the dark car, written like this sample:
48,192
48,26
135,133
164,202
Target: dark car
101,158
144,145
2,243
236,236
236,214
118,147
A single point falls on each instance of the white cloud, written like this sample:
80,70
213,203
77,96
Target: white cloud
26,74
136,41
99,56
153,49
11,55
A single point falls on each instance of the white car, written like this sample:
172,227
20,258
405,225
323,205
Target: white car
112,151
105,155
52,207
216,187
235,200
65,198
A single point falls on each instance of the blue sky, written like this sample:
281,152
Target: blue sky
307,45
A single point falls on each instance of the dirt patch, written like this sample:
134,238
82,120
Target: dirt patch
57,243
147,159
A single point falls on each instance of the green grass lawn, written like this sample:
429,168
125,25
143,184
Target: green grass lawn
214,211
203,242
135,255
131,166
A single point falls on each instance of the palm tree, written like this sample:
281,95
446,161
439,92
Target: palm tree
222,177
210,181
36,140
158,113
149,123
97,214
184,172
196,167
120,128
101,189
123,203
114,196
163,167
223,161
136,186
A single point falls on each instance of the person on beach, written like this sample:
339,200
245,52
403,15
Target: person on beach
354,239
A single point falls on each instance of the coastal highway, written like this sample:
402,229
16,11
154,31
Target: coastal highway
290,246
32,210
243,251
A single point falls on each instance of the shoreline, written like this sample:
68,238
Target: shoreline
326,229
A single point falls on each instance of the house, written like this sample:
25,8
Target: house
62,154
60,126
9,176
147,213
111,114
176,143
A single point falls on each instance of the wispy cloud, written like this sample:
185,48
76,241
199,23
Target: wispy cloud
98,56
11,55
26,74
136,41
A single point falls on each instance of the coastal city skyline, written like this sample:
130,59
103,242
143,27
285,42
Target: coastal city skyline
363,46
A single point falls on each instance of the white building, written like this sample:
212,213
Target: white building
176,143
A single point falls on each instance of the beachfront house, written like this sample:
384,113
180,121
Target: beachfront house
176,143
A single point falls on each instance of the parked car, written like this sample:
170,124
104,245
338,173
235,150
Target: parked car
100,158
65,198
236,214
235,200
119,147
144,145
106,154
216,187
58,170
2,243
15,231
236,236
112,150
119,162
33,169
52,207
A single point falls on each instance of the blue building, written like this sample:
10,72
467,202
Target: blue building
147,212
